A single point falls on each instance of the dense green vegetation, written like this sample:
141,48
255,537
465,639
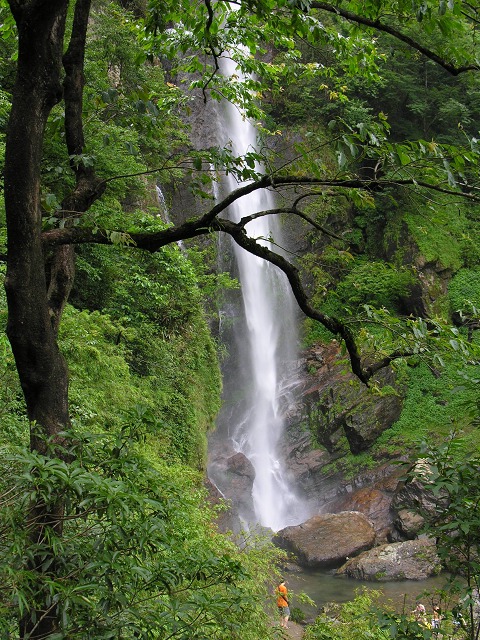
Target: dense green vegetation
105,528
138,554
144,391
400,242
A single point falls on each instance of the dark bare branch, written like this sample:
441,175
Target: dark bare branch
237,232
296,212
148,241
152,241
210,222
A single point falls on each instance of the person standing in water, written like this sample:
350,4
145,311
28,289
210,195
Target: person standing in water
282,603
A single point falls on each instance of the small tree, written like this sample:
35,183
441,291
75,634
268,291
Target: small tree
454,479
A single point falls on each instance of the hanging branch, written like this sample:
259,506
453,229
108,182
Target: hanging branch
238,233
294,210
399,35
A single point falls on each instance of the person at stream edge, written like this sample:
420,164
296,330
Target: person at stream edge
282,604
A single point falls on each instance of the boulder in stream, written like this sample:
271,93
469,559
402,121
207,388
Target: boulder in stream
409,560
326,540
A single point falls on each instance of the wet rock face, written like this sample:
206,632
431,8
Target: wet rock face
410,560
333,404
332,412
326,540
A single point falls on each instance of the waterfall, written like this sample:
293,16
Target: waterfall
162,204
266,345
163,211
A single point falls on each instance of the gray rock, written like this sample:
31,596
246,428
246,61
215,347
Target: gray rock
410,560
226,517
240,476
233,475
373,503
409,523
416,495
327,539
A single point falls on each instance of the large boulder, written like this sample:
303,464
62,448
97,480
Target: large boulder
373,503
409,523
414,500
226,517
410,560
416,494
326,540
233,475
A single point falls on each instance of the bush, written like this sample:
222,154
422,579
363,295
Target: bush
355,620
137,558
464,292
377,284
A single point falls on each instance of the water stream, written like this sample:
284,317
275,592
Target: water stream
266,337
261,335
324,587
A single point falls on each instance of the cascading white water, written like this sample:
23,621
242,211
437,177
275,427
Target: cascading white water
163,210
271,335
161,202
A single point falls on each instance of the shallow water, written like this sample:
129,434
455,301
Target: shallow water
323,587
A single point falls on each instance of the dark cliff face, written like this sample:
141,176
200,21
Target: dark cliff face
327,414
334,415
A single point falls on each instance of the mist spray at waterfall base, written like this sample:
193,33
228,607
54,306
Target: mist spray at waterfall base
266,335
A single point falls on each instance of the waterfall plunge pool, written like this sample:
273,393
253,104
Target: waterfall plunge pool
323,587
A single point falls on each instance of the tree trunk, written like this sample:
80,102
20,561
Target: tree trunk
41,367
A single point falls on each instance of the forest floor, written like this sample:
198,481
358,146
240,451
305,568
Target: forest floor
294,631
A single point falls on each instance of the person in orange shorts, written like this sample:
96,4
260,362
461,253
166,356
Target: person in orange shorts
282,603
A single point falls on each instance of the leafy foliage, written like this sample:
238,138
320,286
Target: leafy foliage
132,540
137,557
464,292
375,283
451,474
356,619
158,325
